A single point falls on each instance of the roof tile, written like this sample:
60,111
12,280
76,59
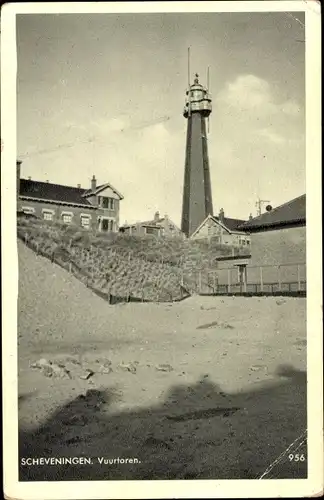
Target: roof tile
291,212
53,192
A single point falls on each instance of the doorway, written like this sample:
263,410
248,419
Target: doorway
242,277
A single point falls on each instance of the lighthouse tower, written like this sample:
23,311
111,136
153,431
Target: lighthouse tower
197,197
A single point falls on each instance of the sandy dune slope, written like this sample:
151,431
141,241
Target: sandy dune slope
205,388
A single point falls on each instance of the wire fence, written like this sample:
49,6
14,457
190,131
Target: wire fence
124,278
146,283
245,279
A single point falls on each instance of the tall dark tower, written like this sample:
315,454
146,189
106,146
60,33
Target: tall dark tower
197,197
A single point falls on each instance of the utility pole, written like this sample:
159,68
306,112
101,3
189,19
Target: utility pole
259,203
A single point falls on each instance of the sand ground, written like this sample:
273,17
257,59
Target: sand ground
233,400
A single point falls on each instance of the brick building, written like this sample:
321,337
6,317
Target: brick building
158,226
276,257
278,238
223,230
279,235
277,253
95,208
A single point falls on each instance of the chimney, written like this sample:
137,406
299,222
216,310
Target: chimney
29,178
93,183
47,181
250,217
79,186
156,216
221,214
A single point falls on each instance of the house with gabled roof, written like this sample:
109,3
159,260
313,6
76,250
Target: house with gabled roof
158,226
95,208
222,230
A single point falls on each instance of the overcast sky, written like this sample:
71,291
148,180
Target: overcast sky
121,79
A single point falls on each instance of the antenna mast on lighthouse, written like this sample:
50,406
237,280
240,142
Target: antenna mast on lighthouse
208,87
189,107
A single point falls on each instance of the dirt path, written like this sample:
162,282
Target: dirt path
233,400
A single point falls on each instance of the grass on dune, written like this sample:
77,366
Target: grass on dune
148,268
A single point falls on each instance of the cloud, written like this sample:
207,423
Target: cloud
245,92
251,93
251,111
271,136
291,108
256,138
106,126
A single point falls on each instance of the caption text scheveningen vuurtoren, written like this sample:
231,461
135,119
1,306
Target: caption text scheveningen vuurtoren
41,461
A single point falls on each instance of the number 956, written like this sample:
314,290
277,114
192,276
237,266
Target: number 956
296,457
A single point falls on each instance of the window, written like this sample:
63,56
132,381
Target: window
247,242
107,203
85,221
105,225
28,210
47,215
104,202
149,230
67,217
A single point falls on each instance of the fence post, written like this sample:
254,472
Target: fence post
199,281
298,277
261,280
228,280
279,279
245,279
214,275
